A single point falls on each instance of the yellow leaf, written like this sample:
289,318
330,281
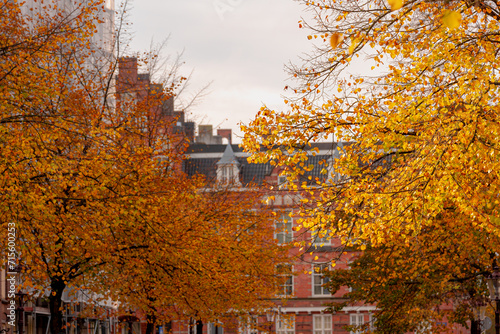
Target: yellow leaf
395,4
354,43
336,39
451,19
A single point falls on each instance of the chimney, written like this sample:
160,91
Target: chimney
225,133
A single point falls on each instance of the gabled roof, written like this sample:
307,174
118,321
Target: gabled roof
228,157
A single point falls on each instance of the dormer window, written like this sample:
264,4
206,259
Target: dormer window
333,176
282,182
228,168
227,173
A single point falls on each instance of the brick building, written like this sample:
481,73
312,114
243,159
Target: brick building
303,309
134,88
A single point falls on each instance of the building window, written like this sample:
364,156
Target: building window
249,325
423,327
372,322
357,320
142,124
282,182
321,237
284,229
215,328
136,328
227,174
285,324
286,288
319,280
322,324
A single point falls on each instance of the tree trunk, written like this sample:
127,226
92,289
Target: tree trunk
151,324
199,327
55,306
167,328
475,327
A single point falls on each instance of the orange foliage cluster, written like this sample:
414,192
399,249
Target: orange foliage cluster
93,188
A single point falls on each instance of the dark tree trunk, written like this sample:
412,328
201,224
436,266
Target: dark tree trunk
199,327
55,306
151,324
168,328
475,327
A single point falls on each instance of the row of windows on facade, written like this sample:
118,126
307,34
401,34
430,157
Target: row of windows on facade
318,282
284,232
284,324
322,324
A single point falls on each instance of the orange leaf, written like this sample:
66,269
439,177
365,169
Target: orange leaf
336,39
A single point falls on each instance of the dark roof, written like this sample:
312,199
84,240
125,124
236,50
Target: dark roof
203,159
211,148
220,148
249,173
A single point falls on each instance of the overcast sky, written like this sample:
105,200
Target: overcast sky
239,45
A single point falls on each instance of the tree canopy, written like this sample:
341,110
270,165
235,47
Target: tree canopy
420,124
94,189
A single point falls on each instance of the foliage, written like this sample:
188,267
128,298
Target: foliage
420,282
421,128
207,271
90,179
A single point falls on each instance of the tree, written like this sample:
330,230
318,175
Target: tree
92,185
435,279
422,127
205,271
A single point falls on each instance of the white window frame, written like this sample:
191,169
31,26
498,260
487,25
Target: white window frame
356,319
282,181
423,327
322,324
227,173
284,229
136,327
321,241
285,324
317,277
215,328
250,327
371,319
289,283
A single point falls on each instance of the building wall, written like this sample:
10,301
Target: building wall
303,307
133,88
104,37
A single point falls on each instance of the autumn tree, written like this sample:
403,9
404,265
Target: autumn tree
90,181
435,279
213,260
46,124
63,171
422,124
